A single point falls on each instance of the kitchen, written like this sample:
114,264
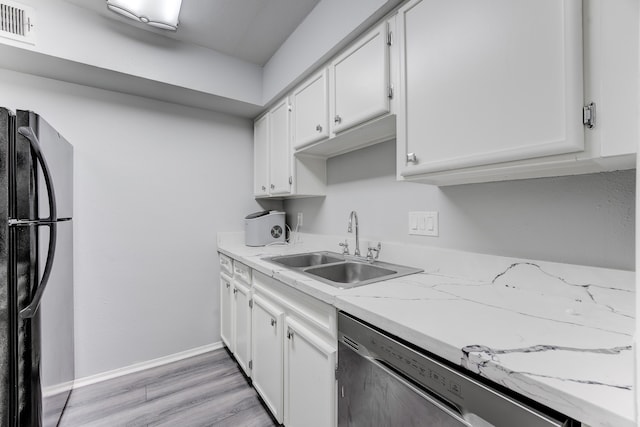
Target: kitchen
152,230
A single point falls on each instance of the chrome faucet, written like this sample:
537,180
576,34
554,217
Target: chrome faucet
353,215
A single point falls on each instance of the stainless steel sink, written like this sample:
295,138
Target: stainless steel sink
307,260
342,271
350,272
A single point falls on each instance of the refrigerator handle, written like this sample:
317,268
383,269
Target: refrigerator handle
28,133
30,310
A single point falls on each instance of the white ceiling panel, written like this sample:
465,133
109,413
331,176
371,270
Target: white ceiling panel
251,30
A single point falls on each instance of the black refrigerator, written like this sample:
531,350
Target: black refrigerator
36,271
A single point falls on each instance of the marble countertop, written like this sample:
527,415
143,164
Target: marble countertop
559,334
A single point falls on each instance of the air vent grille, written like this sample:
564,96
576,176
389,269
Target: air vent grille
17,21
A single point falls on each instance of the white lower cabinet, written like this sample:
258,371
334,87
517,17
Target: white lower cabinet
294,340
242,325
267,354
309,378
284,340
226,315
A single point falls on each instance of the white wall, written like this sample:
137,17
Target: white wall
586,219
154,182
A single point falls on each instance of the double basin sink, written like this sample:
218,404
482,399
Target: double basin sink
341,271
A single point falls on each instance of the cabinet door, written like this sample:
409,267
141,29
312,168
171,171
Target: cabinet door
242,326
310,385
226,332
279,149
261,156
360,81
267,354
311,111
488,82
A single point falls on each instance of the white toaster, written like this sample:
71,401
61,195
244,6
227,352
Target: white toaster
263,228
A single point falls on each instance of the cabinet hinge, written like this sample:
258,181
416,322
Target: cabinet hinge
250,364
290,180
389,38
337,372
589,115
390,92
251,303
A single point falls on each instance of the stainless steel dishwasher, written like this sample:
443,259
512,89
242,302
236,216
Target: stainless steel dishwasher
383,382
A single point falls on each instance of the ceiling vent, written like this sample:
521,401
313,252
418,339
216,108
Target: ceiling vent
17,21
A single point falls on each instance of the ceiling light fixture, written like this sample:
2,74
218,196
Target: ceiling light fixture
158,13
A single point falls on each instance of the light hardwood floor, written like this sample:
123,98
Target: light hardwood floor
205,390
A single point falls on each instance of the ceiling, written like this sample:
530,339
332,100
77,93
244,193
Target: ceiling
251,30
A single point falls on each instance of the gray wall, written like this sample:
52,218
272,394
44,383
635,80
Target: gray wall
154,183
584,219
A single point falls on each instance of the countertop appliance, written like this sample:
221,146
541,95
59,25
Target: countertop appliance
36,271
264,228
384,382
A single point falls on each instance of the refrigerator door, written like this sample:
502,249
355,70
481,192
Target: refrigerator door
53,360
41,187
58,155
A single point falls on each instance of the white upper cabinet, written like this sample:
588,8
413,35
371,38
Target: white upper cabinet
360,86
488,82
279,149
261,156
277,172
311,110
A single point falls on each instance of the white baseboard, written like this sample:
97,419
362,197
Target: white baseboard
136,367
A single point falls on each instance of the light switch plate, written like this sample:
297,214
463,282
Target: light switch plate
423,223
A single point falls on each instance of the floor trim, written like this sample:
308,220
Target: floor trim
136,367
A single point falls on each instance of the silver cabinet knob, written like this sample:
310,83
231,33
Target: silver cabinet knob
337,119
264,188
411,158
228,285
289,333
273,322
235,291
319,128
273,186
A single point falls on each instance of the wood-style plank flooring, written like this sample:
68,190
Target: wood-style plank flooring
205,390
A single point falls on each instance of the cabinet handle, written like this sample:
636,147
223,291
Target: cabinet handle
411,158
264,188
289,333
228,285
337,119
273,322
273,186
235,291
319,128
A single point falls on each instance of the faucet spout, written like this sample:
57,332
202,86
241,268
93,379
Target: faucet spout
353,216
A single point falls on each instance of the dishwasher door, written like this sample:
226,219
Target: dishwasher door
384,382
372,394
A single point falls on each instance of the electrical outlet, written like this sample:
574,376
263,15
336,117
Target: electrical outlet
299,219
423,223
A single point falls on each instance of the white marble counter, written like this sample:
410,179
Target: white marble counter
558,334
